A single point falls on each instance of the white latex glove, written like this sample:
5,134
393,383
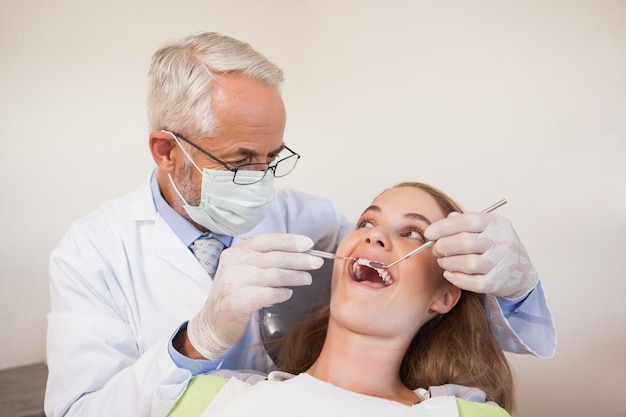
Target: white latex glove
250,276
481,252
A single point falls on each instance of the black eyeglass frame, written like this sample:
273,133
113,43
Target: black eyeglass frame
269,166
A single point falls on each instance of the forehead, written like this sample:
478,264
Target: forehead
248,102
403,200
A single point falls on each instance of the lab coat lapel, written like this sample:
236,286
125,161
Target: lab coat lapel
169,248
165,245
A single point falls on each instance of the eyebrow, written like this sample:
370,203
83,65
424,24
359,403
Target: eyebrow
414,216
253,153
371,208
418,216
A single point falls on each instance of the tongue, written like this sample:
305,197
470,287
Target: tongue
371,277
371,284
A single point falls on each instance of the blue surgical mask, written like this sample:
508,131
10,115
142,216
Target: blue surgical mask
225,207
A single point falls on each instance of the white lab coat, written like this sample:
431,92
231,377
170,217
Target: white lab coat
122,283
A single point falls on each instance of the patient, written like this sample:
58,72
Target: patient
397,342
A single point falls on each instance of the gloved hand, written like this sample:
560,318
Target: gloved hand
481,252
250,276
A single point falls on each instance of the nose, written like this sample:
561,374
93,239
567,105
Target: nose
377,236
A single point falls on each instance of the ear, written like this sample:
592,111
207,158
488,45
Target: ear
162,146
446,300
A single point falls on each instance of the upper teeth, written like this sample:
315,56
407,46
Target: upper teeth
384,275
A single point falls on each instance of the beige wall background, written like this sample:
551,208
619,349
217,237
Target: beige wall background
524,100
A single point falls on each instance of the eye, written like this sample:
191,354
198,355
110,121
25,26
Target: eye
364,223
414,233
271,157
239,162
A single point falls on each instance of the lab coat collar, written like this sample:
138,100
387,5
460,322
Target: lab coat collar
165,243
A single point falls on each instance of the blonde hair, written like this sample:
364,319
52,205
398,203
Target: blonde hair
455,348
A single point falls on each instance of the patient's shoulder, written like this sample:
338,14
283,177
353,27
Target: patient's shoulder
246,375
199,393
471,401
477,409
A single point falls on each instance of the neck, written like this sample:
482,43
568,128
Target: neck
365,364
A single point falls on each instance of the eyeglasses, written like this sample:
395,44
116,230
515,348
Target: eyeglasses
279,168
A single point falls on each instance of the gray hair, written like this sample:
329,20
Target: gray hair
182,73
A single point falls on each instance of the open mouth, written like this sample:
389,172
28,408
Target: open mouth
362,271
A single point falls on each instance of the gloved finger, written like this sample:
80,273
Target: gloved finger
235,256
275,277
461,244
228,286
505,253
470,264
458,223
256,298
505,279
289,260
474,283
286,242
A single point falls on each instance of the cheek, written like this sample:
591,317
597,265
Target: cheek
185,176
338,272
347,244
432,270
189,183
427,266
426,278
